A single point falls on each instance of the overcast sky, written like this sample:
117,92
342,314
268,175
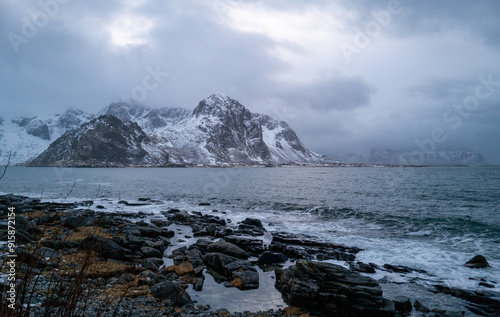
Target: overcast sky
347,75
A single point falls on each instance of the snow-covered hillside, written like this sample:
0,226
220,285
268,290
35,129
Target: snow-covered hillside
220,130
26,138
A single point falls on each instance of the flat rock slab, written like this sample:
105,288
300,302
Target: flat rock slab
330,290
227,248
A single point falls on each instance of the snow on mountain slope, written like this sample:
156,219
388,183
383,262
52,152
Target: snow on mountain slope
26,138
104,141
147,118
220,130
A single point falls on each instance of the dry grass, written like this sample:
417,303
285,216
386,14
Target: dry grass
71,265
35,214
132,289
81,233
294,311
185,268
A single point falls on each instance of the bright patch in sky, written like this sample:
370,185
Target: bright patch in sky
130,30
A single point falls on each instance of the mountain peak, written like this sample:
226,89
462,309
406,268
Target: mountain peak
218,104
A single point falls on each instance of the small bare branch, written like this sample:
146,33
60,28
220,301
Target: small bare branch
6,166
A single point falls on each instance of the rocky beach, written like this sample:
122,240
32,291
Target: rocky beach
75,259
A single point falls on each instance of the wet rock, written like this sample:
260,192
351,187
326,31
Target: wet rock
330,290
198,284
159,245
477,262
253,222
149,231
78,218
487,285
152,264
182,217
307,247
421,308
270,257
151,252
244,228
24,224
167,233
204,204
194,257
241,272
402,304
171,291
106,248
402,269
362,267
201,245
251,245
228,249
160,222
485,303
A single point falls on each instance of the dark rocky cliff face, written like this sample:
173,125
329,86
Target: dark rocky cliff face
103,141
231,132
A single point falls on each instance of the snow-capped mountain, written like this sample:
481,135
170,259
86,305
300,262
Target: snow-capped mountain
104,141
25,138
438,157
220,130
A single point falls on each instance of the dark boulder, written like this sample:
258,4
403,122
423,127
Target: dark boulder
23,223
251,245
149,231
228,249
477,262
182,217
330,290
308,247
106,248
240,272
78,218
172,291
151,252
253,222
403,305
270,257
152,264
362,267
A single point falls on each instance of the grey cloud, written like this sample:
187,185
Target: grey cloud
332,91
71,62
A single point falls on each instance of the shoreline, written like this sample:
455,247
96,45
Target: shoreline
137,244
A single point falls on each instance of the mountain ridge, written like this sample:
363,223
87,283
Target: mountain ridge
219,131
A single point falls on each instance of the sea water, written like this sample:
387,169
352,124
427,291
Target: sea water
427,218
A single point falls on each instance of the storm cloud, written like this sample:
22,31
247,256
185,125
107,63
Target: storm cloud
347,75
